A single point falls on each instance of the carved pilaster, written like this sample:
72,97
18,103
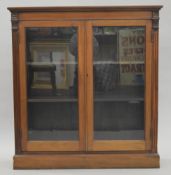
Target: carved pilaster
15,39
15,21
155,20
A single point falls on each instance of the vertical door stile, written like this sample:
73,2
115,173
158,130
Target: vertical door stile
23,88
89,86
148,85
81,86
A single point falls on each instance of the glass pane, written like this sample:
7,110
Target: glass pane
52,65
118,72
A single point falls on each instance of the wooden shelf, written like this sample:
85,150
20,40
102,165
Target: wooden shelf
118,62
105,34
129,100
51,100
51,63
97,99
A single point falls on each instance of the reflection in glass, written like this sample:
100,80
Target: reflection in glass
118,71
52,83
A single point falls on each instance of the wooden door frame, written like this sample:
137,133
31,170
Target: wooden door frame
118,145
27,145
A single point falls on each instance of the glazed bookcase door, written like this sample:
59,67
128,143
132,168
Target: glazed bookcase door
118,85
51,70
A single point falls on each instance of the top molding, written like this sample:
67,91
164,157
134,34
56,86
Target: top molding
85,8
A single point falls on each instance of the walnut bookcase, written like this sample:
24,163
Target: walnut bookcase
85,86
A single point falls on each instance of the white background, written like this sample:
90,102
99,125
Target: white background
6,87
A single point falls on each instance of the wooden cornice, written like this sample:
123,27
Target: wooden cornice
85,8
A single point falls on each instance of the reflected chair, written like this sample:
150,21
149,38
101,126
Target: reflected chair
42,68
